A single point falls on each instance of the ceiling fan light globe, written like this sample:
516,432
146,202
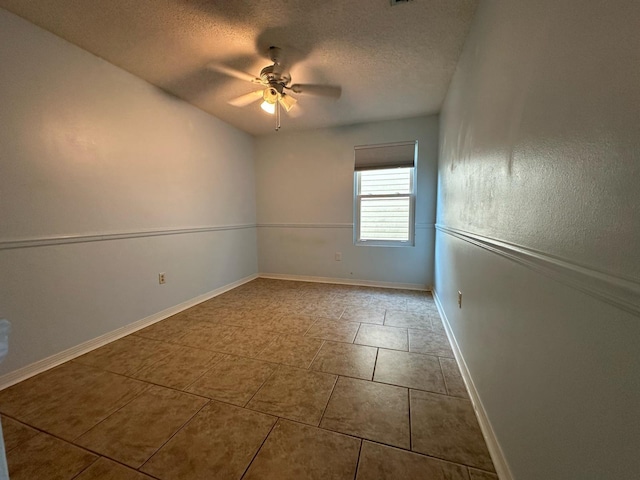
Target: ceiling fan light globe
268,107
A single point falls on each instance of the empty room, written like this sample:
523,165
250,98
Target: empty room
367,240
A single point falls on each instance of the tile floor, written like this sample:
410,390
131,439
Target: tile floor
272,380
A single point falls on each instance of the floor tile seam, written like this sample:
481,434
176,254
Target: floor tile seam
326,405
187,422
409,414
260,387
357,332
424,455
343,375
333,339
53,435
355,475
316,354
480,470
152,364
444,377
375,364
445,395
40,431
84,469
260,447
224,356
378,346
373,441
148,386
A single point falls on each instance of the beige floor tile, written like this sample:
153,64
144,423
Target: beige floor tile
429,342
369,410
70,399
133,433
447,428
380,462
245,342
105,469
336,331
453,378
437,325
405,319
292,350
299,452
46,457
205,335
233,380
168,330
324,309
127,355
346,359
290,324
363,315
480,475
409,370
15,433
385,337
215,314
221,438
295,394
180,368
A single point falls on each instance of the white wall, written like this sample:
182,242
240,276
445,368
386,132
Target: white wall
538,213
87,149
304,185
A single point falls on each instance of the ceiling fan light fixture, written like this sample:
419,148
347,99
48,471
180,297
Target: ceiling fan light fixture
287,101
270,96
268,107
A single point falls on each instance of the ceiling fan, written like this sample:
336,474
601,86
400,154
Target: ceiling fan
274,80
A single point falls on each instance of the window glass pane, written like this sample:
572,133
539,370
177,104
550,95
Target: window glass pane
385,182
385,218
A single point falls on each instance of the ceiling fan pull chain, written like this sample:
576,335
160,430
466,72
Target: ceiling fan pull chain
277,116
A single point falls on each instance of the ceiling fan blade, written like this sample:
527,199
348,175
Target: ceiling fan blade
331,91
246,99
232,72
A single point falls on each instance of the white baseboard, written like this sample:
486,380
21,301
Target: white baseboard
40,366
346,281
499,460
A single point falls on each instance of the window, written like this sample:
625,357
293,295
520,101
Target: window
385,194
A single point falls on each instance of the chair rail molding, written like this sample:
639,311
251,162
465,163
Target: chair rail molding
107,236
623,293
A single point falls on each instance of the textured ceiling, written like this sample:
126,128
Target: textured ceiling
392,62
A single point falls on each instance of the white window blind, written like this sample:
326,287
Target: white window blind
385,194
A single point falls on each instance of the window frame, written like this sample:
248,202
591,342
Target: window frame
357,240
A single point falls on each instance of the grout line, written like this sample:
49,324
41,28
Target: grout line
224,356
261,385
324,410
317,353
410,432
85,469
358,461
174,434
260,448
375,364
446,386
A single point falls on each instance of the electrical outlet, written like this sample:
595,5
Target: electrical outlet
161,278
338,256
459,299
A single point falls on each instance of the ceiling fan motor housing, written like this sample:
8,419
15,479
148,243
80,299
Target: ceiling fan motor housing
273,75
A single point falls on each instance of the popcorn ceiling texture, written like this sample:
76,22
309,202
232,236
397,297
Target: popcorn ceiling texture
392,62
